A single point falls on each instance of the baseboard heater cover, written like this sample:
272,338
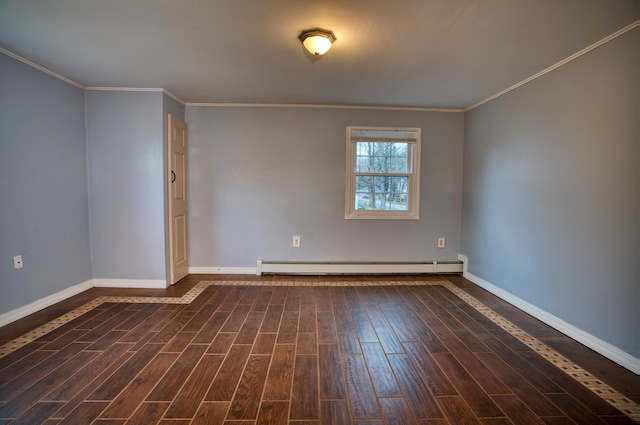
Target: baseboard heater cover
306,267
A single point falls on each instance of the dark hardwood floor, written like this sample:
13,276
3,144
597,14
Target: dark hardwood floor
285,354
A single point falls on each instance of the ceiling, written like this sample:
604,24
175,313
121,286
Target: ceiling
413,53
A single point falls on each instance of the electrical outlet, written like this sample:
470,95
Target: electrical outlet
296,241
441,242
17,262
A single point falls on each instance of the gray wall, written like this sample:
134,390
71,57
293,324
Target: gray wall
43,185
125,140
258,176
551,204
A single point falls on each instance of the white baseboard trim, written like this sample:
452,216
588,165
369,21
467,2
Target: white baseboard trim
222,270
19,313
130,283
611,352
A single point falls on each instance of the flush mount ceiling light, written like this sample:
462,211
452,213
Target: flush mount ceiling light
317,41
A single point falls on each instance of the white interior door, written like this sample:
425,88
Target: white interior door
177,174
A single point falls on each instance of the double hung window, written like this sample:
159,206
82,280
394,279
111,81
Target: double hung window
383,173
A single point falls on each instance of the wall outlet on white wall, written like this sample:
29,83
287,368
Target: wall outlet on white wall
296,241
441,241
17,262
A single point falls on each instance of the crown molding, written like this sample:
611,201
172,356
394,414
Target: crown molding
315,106
558,64
142,89
41,68
138,89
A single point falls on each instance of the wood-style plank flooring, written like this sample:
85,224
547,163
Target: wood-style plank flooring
253,355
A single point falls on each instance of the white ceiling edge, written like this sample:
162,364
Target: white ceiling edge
284,105
320,106
558,64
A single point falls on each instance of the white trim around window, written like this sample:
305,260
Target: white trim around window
382,173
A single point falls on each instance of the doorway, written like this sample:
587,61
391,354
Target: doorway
177,191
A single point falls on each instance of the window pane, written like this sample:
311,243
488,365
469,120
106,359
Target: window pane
380,164
363,201
399,196
400,149
363,164
381,193
363,183
382,157
381,183
397,202
364,148
365,193
398,164
400,184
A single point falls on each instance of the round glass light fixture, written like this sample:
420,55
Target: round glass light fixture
317,41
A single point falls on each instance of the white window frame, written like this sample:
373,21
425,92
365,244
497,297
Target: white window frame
413,173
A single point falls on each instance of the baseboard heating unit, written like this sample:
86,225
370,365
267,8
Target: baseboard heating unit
305,267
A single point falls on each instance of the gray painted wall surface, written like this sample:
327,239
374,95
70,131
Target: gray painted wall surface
43,185
551,199
258,176
126,188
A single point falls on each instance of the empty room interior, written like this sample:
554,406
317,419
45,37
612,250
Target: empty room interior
320,212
